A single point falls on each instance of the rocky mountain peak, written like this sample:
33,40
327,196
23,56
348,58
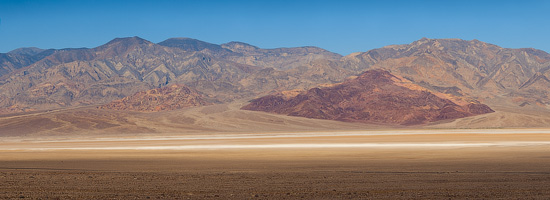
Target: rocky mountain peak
127,41
30,51
122,46
239,47
189,44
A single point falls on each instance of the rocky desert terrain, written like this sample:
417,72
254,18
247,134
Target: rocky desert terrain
187,119
390,164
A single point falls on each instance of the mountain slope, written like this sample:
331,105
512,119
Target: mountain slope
476,68
279,58
166,98
117,69
19,58
35,79
376,96
125,66
189,44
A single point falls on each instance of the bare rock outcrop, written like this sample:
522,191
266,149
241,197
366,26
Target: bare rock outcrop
166,98
376,96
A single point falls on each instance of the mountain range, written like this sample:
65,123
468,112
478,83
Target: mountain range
124,66
465,77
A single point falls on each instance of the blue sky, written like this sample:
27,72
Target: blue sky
339,26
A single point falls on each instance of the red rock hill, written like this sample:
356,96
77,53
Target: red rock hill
165,98
376,96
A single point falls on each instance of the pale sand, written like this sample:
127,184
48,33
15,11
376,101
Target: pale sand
341,139
404,164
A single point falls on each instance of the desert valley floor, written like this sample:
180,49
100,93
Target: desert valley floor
434,163
338,100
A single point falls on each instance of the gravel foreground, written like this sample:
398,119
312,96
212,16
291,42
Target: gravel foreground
486,172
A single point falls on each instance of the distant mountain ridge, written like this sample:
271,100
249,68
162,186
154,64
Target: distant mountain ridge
22,57
476,68
125,66
473,71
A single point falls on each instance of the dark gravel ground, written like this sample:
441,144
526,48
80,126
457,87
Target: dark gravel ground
270,180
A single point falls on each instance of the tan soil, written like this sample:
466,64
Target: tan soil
504,171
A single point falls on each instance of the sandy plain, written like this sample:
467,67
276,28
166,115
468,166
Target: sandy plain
391,164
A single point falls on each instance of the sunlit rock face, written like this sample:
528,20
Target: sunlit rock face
376,96
166,98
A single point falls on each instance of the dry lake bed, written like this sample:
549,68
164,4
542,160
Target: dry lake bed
403,164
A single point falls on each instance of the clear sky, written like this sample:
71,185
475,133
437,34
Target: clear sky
340,26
